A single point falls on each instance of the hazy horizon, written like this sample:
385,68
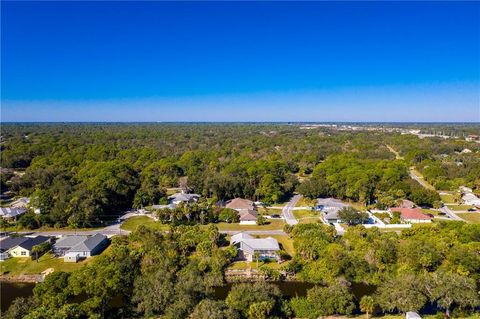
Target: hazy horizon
240,62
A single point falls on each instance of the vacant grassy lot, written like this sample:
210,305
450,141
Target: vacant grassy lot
448,198
133,222
459,207
303,202
26,266
274,224
305,213
470,217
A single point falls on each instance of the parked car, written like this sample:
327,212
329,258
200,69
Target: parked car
276,216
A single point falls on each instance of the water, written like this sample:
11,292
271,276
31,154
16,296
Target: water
10,291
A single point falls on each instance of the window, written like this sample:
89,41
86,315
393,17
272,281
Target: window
23,253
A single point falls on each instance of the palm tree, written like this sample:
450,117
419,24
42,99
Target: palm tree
256,256
367,305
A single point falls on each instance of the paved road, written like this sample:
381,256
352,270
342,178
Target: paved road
450,213
421,181
287,210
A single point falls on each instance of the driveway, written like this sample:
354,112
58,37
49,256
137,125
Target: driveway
287,210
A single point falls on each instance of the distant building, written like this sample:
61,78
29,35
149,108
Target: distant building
330,208
12,212
247,211
266,248
21,202
178,198
411,215
74,248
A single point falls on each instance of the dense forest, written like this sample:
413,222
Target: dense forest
82,174
173,275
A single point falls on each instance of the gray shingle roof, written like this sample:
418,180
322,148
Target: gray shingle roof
70,241
28,244
89,244
11,211
11,242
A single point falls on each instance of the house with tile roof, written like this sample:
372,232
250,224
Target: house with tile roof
411,215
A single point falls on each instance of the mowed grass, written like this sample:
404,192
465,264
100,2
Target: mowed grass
430,211
305,213
447,198
459,207
304,202
132,223
273,224
285,242
27,266
470,217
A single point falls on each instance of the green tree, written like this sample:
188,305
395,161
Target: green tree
367,305
402,293
351,216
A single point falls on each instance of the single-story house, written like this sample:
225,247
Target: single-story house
267,248
21,202
240,204
73,248
247,211
330,208
411,215
8,243
178,198
24,249
248,217
471,199
12,212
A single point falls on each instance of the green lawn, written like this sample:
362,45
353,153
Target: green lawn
459,207
430,211
470,217
286,242
274,224
253,265
133,222
26,266
448,198
305,213
303,202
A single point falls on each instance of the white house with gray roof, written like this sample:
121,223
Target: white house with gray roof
12,212
178,198
330,208
267,248
73,248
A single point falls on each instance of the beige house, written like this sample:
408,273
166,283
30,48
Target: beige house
24,249
246,209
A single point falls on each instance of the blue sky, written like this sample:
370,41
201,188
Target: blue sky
240,61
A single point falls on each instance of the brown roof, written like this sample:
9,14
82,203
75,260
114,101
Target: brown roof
407,204
247,215
410,213
240,203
